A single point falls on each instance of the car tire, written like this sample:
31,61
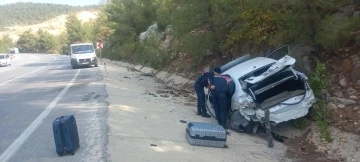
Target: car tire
96,65
250,127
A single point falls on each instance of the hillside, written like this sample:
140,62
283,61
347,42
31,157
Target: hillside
33,13
54,26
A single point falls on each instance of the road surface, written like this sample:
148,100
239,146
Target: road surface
33,92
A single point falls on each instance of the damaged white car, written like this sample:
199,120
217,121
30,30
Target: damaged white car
266,84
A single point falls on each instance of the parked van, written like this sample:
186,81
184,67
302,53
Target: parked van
14,50
5,60
82,55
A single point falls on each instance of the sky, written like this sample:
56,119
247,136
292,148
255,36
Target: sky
68,2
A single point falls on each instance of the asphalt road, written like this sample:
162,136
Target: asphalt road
33,92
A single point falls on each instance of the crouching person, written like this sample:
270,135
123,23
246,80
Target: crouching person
199,85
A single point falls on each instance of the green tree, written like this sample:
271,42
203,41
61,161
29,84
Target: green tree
27,42
77,31
46,42
27,13
5,44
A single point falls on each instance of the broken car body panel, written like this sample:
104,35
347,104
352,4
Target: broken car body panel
284,104
281,64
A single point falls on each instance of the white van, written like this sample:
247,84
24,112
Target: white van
82,55
5,60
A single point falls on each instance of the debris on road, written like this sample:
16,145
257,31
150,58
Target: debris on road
153,145
165,96
147,74
183,121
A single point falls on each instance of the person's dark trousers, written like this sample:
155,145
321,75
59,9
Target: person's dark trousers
220,102
200,99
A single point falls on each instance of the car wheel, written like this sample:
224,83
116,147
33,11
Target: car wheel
96,65
310,113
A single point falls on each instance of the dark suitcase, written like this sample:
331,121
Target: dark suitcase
206,134
66,135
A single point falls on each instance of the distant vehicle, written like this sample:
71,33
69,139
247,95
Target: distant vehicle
14,50
82,55
5,60
268,83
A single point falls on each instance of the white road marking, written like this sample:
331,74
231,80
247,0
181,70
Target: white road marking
4,83
15,146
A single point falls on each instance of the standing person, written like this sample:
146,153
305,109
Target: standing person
219,87
199,85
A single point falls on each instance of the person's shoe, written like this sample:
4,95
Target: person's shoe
225,127
206,115
199,113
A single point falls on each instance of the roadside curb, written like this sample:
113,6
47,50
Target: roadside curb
174,81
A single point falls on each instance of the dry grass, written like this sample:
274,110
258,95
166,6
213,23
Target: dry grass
54,26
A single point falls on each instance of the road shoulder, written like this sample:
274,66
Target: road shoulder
143,112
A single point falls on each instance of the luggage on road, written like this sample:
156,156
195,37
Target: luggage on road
66,135
206,134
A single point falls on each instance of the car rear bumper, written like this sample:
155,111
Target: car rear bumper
287,111
84,62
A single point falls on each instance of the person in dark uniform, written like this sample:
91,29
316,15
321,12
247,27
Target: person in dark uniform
199,85
219,89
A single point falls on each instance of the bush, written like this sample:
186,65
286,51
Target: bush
153,54
319,81
333,34
300,123
197,46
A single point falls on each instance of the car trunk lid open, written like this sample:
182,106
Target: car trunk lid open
277,84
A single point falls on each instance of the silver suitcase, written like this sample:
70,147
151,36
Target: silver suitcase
206,134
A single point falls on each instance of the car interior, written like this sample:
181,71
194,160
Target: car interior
277,88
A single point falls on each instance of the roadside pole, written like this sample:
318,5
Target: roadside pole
99,46
100,57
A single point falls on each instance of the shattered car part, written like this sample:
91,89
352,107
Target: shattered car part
265,84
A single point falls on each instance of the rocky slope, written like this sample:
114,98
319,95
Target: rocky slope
343,94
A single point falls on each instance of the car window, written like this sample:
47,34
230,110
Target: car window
279,53
80,49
